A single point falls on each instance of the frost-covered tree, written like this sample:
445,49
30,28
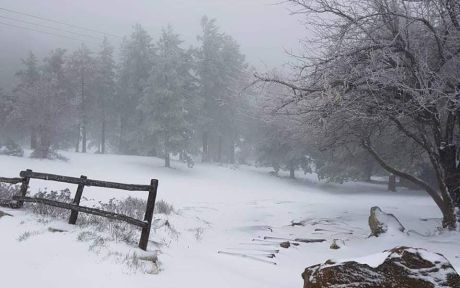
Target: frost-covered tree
26,97
221,71
279,143
389,71
105,94
81,70
168,91
53,104
137,60
7,103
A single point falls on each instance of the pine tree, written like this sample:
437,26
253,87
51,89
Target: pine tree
137,60
26,97
7,103
220,68
81,70
52,106
164,104
105,92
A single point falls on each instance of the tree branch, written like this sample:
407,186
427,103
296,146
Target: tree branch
433,193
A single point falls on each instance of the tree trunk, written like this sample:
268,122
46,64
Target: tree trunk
83,138
392,183
167,160
43,144
448,157
291,170
121,143
232,152
205,155
103,136
33,138
77,146
445,205
219,149
83,113
167,154
369,170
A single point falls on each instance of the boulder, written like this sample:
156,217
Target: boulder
381,222
4,214
335,244
285,245
401,267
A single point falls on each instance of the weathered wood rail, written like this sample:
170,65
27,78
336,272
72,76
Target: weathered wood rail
10,180
75,207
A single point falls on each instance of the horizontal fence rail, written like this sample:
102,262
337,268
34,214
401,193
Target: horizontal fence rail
85,182
11,180
75,208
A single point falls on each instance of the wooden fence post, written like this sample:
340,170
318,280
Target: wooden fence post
24,187
143,242
76,201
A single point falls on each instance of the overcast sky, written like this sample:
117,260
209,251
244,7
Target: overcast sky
263,28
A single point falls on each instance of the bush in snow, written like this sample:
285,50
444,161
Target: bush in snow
11,148
113,230
49,154
162,207
7,191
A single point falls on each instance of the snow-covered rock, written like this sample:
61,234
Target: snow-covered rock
401,267
381,222
3,214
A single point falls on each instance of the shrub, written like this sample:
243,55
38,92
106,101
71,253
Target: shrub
162,207
116,230
11,148
7,191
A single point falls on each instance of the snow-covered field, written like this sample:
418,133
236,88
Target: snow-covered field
218,209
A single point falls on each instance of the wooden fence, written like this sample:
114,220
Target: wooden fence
75,205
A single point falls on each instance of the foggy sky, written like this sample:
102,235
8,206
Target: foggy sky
263,28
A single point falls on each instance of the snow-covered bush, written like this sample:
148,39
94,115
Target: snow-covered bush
50,211
11,148
113,230
163,207
7,191
50,154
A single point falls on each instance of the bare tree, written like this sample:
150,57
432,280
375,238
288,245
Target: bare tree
382,66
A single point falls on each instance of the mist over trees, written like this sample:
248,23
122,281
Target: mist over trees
158,98
378,96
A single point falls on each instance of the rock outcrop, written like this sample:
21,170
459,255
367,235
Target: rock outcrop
401,267
381,222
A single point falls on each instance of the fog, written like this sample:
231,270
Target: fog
264,29
251,114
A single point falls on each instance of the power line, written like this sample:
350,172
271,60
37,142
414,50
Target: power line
59,22
40,31
50,27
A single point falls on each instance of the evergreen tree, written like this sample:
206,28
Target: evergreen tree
6,110
105,92
220,68
81,70
27,98
53,105
164,104
137,60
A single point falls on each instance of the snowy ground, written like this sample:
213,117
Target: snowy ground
219,209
